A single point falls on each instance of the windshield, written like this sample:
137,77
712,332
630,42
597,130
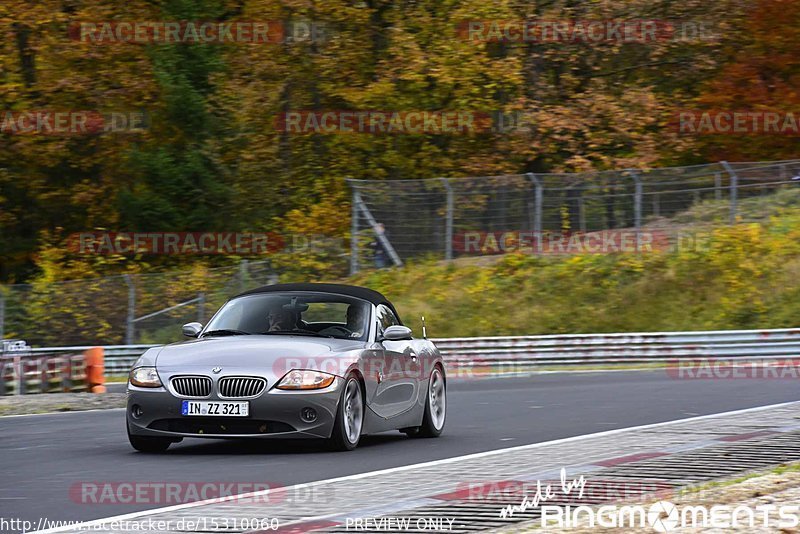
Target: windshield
293,313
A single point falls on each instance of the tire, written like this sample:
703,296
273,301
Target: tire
349,417
435,408
148,443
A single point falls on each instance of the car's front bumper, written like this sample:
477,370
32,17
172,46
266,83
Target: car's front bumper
274,414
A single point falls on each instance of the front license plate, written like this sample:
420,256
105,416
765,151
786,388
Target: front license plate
226,409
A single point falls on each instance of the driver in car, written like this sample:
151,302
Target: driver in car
356,319
353,328
282,320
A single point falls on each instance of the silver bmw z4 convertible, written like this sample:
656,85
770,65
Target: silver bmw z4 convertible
290,361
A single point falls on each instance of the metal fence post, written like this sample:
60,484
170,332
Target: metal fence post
21,386
2,313
201,307
354,234
243,270
537,209
637,207
448,222
130,322
734,190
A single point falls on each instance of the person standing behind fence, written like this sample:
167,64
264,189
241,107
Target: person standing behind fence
379,254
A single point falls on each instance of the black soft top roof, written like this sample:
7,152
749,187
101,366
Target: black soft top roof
337,289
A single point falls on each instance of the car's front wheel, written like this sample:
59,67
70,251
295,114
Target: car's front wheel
148,443
349,417
435,408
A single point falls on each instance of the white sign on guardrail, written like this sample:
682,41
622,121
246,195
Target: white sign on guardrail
15,346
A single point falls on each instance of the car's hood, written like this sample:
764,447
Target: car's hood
251,352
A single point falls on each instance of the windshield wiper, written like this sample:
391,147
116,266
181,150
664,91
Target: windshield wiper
296,333
225,332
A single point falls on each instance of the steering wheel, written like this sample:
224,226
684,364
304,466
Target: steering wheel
341,329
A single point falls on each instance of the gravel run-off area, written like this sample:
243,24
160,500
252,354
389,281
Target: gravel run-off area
59,402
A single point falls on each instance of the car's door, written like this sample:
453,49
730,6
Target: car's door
397,388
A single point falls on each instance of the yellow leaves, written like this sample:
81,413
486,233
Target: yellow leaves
632,263
329,217
481,284
565,219
740,258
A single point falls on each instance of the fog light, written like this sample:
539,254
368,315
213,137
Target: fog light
136,411
309,415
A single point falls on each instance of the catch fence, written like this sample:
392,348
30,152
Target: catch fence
397,220
123,309
454,217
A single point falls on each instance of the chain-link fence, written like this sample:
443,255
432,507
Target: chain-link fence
452,217
124,309
401,219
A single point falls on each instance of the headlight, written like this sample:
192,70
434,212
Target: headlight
145,377
302,379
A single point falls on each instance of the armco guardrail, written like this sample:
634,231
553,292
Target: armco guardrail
525,353
118,358
613,349
23,372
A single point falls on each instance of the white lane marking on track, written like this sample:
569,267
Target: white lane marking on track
89,524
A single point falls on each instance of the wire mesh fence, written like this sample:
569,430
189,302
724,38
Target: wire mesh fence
397,220
453,217
123,309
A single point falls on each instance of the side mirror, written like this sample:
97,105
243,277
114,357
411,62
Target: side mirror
397,333
192,329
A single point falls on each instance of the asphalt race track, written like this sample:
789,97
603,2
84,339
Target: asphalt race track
41,457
